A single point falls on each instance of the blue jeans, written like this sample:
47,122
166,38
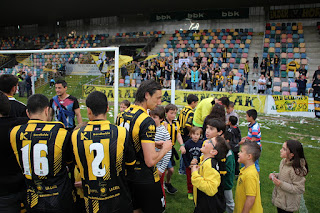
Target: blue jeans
276,71
220,86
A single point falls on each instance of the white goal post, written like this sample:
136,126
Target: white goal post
100,49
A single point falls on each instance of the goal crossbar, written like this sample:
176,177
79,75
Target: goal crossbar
98,49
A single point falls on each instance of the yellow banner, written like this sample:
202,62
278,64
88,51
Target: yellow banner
288,103
242,101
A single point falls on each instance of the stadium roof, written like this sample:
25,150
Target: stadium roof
46,12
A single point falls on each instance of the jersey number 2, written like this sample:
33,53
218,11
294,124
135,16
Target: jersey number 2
40,164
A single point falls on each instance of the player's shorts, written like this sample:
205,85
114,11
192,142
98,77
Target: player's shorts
147,197
255,65
170,165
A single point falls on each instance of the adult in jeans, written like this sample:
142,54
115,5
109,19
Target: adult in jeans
262,84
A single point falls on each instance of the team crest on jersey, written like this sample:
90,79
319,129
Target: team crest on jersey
38,129
96,129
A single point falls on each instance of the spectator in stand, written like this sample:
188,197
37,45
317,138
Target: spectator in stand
240,86
230,77
316,73
204,77
188,78
253,87
276,66
194,78
168,76
302,84
224,55
229,88
220,82
210,60
269,85
263,67
227,69
269,64
246,72
303,70
255,64
262,85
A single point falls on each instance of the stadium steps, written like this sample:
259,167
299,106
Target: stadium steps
159,45
312,40
256,46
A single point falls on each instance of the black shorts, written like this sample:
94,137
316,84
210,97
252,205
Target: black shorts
147,197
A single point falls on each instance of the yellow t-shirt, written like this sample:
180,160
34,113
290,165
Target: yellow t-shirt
202,111
248,185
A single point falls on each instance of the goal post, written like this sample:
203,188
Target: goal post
100,49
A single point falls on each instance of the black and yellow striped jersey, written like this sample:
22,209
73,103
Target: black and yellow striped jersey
185,119
42,149
141,129
173,129
102,151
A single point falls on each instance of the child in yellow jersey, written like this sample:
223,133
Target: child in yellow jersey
206,180
248,198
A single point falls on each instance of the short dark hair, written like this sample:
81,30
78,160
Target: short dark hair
126,103
225,101
252,113
252,148
217,123
222,147
149,86
97,102
7,82
233,120
171,107
5,105
63,82
192,98
158,111
194,129
37,103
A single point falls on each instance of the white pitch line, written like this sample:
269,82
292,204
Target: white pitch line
304,146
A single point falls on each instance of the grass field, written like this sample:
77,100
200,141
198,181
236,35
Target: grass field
273,129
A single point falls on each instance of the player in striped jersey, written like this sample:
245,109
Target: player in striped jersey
104,155
42,149
145,185
185,122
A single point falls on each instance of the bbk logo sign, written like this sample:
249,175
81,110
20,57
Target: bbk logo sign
163,17
195,15
230,14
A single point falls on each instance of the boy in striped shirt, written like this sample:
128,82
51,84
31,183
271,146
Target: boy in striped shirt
254,133
162,134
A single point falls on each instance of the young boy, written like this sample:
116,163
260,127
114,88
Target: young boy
174,131
185,122
231,112
158,114
247,198
193,147
234,137
254,133
206,179
124,105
